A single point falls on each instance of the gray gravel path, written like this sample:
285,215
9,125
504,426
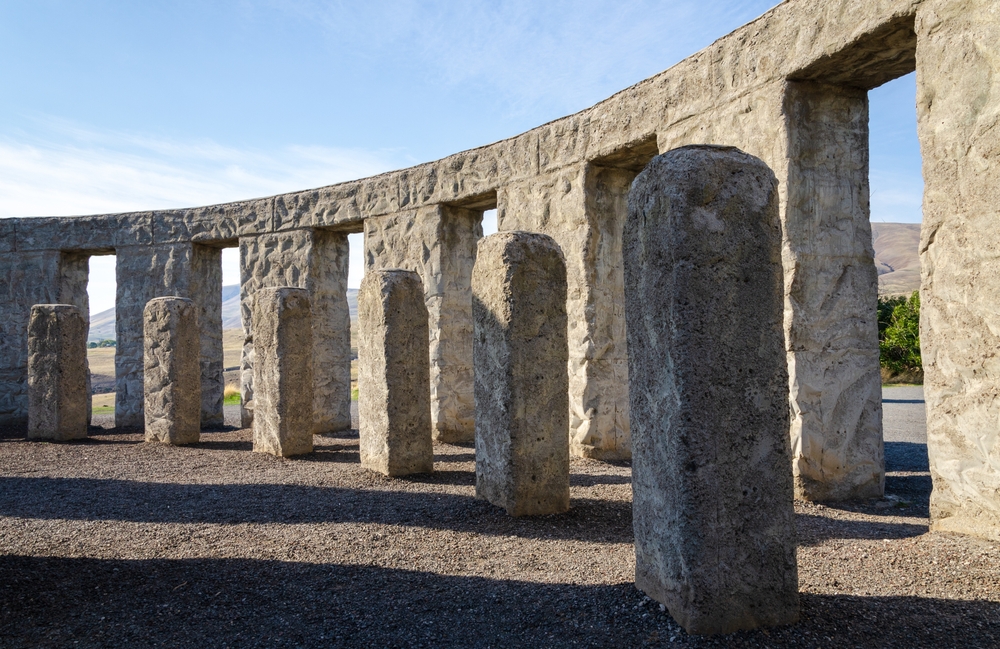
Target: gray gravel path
112,542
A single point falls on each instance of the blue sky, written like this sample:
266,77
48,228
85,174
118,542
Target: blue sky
117,106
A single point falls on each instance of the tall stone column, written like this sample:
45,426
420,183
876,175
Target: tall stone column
26,279
317,261
393,374
521,355
711,475
283,416
74,276
583,208
958,111
146,272
439,244
57,373
172,371
831,286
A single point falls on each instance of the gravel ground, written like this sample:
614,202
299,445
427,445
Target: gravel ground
113,542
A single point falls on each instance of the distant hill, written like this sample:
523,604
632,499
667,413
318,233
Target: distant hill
102,325
897,258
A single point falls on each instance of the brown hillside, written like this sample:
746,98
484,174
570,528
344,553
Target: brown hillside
897,258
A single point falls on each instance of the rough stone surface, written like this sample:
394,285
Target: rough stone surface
711,476
316,261
283,372
57,373
394,405
146,272
958,109
439,243
521,354
584,210
172,371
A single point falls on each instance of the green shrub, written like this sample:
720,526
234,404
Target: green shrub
899,335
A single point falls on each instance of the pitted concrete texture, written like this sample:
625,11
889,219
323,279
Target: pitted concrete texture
317,262
283,372
958,110
146,272
521,352
172,371
439,243
832,294
394,374
711,470
57,373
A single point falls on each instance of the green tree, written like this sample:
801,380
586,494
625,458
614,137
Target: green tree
899,337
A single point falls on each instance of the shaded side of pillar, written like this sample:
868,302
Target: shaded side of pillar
394,403
832,293
958,120
711,477
521,355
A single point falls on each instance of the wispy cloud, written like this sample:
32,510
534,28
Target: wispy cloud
66,169
561,54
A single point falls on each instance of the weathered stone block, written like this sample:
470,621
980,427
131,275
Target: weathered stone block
283,372
711,469
57,373
394,404
521,360
171,371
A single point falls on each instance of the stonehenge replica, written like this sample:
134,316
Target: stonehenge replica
755,153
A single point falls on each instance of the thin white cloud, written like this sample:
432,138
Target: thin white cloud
70,170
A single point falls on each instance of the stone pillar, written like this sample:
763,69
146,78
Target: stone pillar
711,477
583,208
832,293
958,111
283,372
521,355
438,242
206,292
26,279
146,272
57,373
74,275
172,371
393,374
317,261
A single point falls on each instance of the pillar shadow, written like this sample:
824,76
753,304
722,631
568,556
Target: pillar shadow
52,601
596,521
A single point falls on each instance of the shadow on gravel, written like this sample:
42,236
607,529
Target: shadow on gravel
596,521
53,601
906,456
813,530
